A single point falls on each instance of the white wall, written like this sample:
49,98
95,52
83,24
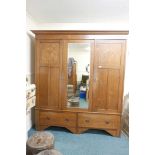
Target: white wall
30,57
118,25
126,78
30,64
31,24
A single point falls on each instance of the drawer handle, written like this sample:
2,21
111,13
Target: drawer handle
87,121
107,122
66,119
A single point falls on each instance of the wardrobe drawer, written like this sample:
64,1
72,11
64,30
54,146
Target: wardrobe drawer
58,118
98,121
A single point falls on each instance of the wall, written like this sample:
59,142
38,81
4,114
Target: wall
30,57
125,114
30,48
30,65
118,25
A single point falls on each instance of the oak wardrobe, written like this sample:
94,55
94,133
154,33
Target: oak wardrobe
79,77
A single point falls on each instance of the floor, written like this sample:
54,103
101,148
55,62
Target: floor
92,142
83,104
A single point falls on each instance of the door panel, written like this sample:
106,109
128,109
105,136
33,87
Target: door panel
113,89
109,55
50,64
49,54
54,88
108,75
100,94
43,86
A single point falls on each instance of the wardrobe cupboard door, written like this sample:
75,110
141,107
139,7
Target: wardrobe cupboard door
49,64
108,75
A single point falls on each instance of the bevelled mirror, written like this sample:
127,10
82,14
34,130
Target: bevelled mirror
78,68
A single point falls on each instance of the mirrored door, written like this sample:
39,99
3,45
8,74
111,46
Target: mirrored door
78,75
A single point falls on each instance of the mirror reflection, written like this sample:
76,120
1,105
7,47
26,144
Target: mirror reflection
78,75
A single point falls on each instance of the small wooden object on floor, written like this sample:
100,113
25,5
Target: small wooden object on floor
40,141
49,152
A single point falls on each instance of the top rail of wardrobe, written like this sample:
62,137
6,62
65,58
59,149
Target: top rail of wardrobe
81,32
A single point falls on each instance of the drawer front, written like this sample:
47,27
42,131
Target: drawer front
98,121
58,118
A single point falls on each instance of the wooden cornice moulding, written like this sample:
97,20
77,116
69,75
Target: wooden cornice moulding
82,32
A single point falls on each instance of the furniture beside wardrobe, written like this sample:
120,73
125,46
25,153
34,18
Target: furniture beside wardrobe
106,81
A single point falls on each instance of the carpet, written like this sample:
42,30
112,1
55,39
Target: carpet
91,142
